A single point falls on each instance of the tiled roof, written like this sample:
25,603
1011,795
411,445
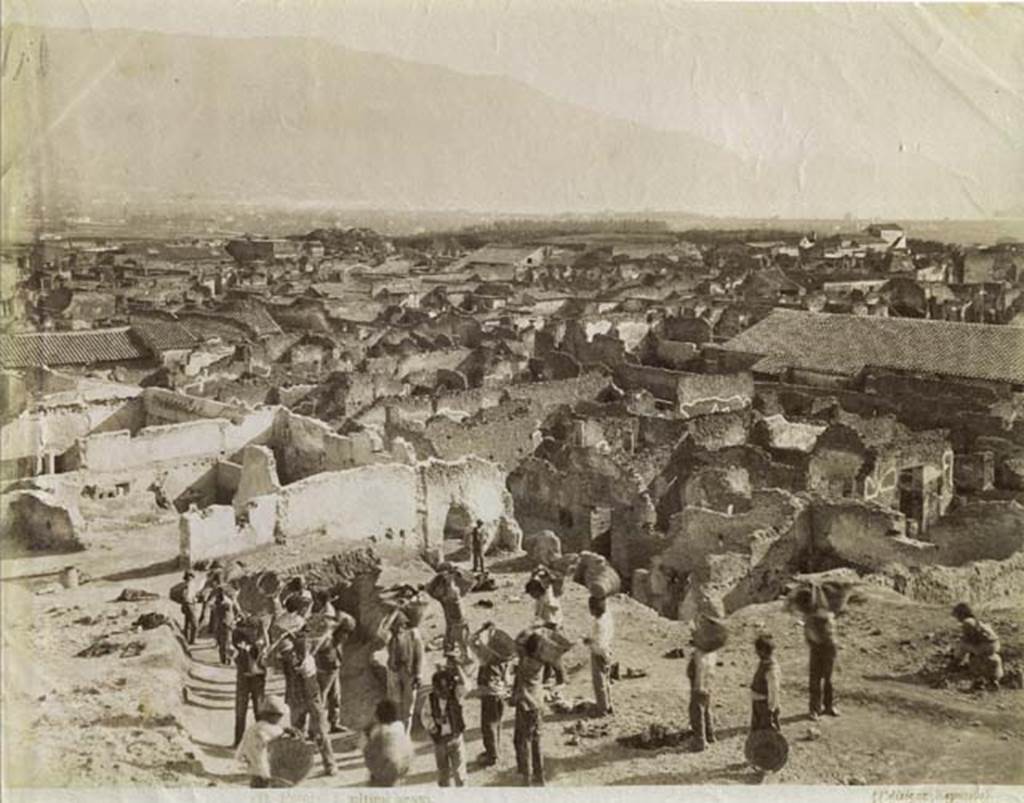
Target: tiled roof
70,348
164,335
845,344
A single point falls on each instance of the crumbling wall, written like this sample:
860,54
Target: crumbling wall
258,476
37,519
476,485
700,394
351,504
865,535
305,446
218,531
974,472
674,354
119,451
503,434
738,559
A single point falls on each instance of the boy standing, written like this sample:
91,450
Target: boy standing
253,749
764,688
387,750
447,723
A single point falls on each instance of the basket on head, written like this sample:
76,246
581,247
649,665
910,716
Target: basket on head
268,583
414,610
494,645
553,643
767,750
439,586
291,758
711,633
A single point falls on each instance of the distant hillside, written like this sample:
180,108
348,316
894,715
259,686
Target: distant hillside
119,113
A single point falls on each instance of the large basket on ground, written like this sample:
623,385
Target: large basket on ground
268,583
767,750
291,759
494,645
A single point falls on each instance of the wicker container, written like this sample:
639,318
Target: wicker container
291,759
710,634
268,583
767,750
177,593
494,645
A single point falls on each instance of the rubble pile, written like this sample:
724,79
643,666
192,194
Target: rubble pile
656,736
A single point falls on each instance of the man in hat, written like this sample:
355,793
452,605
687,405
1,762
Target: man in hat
820,634
250,679
224,612
189,600
254,746
547,612
405,667
476,543
448,686
600,643
980,645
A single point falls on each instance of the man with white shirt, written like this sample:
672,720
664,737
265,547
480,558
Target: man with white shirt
254,746
600,643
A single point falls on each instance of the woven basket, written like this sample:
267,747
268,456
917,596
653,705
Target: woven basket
494,645
291,759
767,750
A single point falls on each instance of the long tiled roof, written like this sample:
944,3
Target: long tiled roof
845,344
164,335
70,348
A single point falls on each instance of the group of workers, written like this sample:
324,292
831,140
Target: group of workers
524,681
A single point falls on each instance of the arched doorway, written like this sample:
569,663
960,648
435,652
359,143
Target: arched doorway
457,525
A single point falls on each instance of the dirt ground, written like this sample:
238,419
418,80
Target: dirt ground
150,713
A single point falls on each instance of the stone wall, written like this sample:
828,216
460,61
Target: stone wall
305,446
700,394
258,476
352,504
218,531
36,519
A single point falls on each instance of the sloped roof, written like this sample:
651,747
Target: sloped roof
845,344
70,348
499,255
164,335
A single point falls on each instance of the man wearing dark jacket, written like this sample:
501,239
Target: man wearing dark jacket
447,722
477,546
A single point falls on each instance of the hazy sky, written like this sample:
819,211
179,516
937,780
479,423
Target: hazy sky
890,86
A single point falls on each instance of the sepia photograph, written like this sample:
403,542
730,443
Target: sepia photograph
508,394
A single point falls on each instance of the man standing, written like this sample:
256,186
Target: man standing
456,630
250,680
547,611
189,600
328,675
448,686
820,633
476,542
223,615
600,643
698,672
527,697
405,665
494,682
309,702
